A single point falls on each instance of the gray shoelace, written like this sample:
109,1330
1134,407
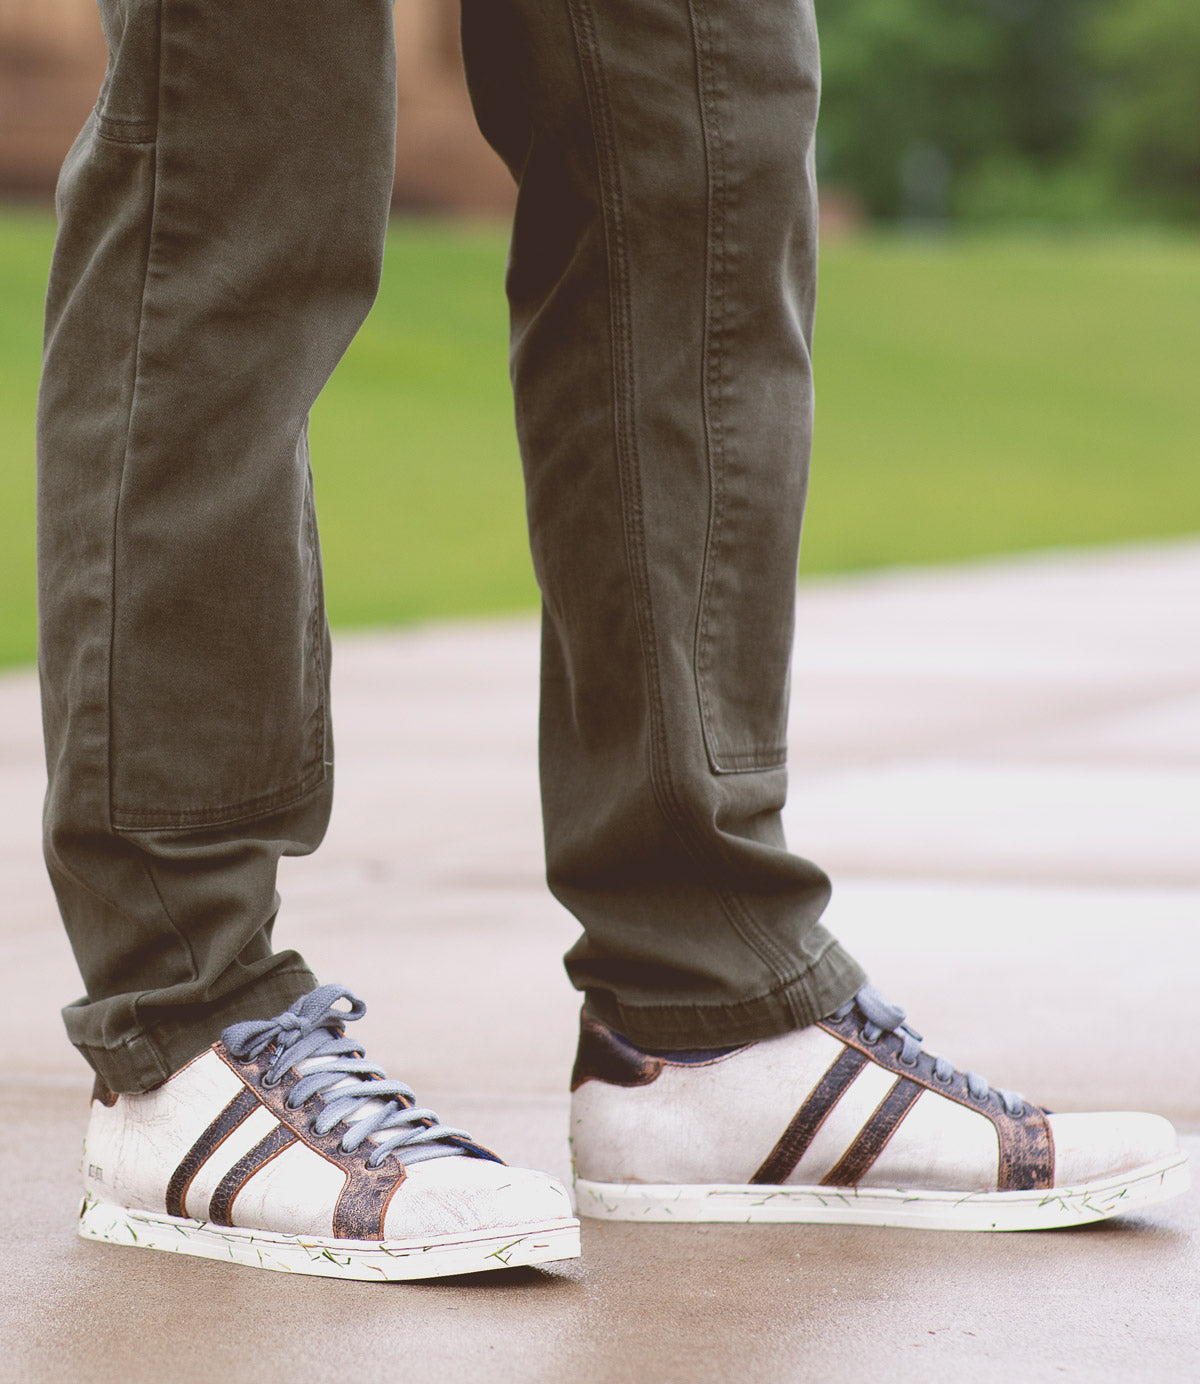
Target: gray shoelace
351,1088
883,1017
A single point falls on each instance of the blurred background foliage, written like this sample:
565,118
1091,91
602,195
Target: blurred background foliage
1047,111
1054,112
1007,338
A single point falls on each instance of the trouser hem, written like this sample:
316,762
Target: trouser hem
147,1057
832,980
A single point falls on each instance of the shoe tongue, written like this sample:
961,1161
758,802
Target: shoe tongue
368,1105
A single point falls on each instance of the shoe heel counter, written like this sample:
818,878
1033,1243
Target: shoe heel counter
133,1145
633,1134
600,1133
102,1140
604,1056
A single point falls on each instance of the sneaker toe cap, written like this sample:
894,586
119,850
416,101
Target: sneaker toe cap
1090,1147
444,1196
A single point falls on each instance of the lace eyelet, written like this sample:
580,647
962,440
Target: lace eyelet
910,1065
266,1080
945,1080
870,1042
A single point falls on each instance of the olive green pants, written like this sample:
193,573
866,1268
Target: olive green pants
222,220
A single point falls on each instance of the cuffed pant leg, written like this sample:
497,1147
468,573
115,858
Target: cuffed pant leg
221,224
662,281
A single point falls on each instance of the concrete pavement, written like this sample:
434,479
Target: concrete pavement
1000,765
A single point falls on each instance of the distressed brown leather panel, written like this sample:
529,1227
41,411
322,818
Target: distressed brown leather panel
362,1206
604,1056
364,1198
872,1138
781,1161
101,1093
222,1203
242,1105
1026,1149
220,1207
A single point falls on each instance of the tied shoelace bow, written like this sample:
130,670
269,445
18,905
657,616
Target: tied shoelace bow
883,1017
310,1037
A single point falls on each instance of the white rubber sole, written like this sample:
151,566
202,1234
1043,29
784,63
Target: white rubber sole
391,1260
925,1210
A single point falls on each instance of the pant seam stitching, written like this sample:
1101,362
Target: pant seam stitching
661,779
133,400
151,230
318,760
145,1034
710,93
712,368
793,995
798,980
226,814
183,937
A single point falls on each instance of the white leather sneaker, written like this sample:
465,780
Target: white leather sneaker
281,1147
847,1121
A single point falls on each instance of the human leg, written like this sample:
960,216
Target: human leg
221,228
662,279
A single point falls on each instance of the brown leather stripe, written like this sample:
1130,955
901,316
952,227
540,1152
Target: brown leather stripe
220,1208
362,1207
243,1104
873,1136
1026,1147
1026,1152
795,1139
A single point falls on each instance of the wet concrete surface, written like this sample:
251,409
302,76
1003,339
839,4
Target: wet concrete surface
1000,765
768,1304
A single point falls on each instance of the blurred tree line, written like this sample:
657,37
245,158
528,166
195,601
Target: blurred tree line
1053,111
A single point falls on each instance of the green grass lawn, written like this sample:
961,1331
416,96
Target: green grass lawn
24,255
975,396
